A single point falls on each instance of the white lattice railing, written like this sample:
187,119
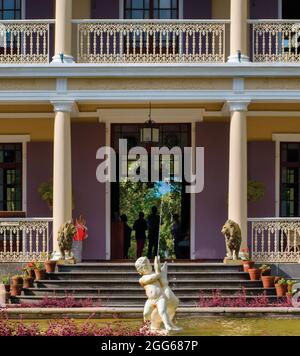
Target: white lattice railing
24,41
24,240
276,40
160,41
275,240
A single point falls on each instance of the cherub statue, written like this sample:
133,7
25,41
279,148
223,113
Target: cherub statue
162,303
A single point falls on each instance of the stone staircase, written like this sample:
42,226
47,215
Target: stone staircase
116,284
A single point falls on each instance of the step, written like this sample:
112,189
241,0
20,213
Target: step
133,283
179,276
135,292
124,301
129,267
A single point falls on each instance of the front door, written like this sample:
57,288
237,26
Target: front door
130,198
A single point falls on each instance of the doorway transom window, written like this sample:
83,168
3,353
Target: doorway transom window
10,9
151,9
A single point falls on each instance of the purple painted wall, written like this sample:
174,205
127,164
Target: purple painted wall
266,9
89,194
195,9
37,9
39,170
261,167
103,9
211,204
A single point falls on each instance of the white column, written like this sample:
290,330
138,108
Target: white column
63,32
62,169
239,31
238,180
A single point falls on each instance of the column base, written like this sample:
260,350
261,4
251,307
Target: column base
66,60
236,60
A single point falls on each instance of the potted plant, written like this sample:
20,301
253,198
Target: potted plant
268,281
50,265
265,270
40,271
17,280
281,288
247,263
28,278
290,284
6,282
254,274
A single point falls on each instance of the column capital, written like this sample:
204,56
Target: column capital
63,105
238,105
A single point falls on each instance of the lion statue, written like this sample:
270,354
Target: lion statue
233,239
65,239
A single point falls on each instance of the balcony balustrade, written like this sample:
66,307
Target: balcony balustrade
24,42
276,41
275,240
24,240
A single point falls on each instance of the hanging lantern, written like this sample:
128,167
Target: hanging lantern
150,131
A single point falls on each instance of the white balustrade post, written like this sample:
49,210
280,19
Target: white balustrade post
63,32
238,182
62,171
238,31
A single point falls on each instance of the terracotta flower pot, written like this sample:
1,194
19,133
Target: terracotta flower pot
31,273
281,290
28,282
17,281
16,290
268,281
50,266
254,274
248,265
40,274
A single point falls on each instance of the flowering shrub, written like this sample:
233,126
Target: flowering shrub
67,327
240,301
68,302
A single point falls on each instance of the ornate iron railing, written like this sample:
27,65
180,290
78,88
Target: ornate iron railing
276,40
160,41
23,41
24,240
275,240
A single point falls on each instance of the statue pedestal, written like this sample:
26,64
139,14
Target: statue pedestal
227,261
70,261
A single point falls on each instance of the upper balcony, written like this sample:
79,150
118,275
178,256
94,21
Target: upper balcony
140,38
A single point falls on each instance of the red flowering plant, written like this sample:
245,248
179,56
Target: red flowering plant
28,269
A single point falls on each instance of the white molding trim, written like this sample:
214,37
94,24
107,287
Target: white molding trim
63,105
278,138
24,139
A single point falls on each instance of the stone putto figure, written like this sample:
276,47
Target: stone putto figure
162,303
233,239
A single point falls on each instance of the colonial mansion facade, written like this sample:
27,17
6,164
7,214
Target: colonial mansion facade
77,75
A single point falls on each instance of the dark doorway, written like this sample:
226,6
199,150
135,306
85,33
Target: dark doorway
170,198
